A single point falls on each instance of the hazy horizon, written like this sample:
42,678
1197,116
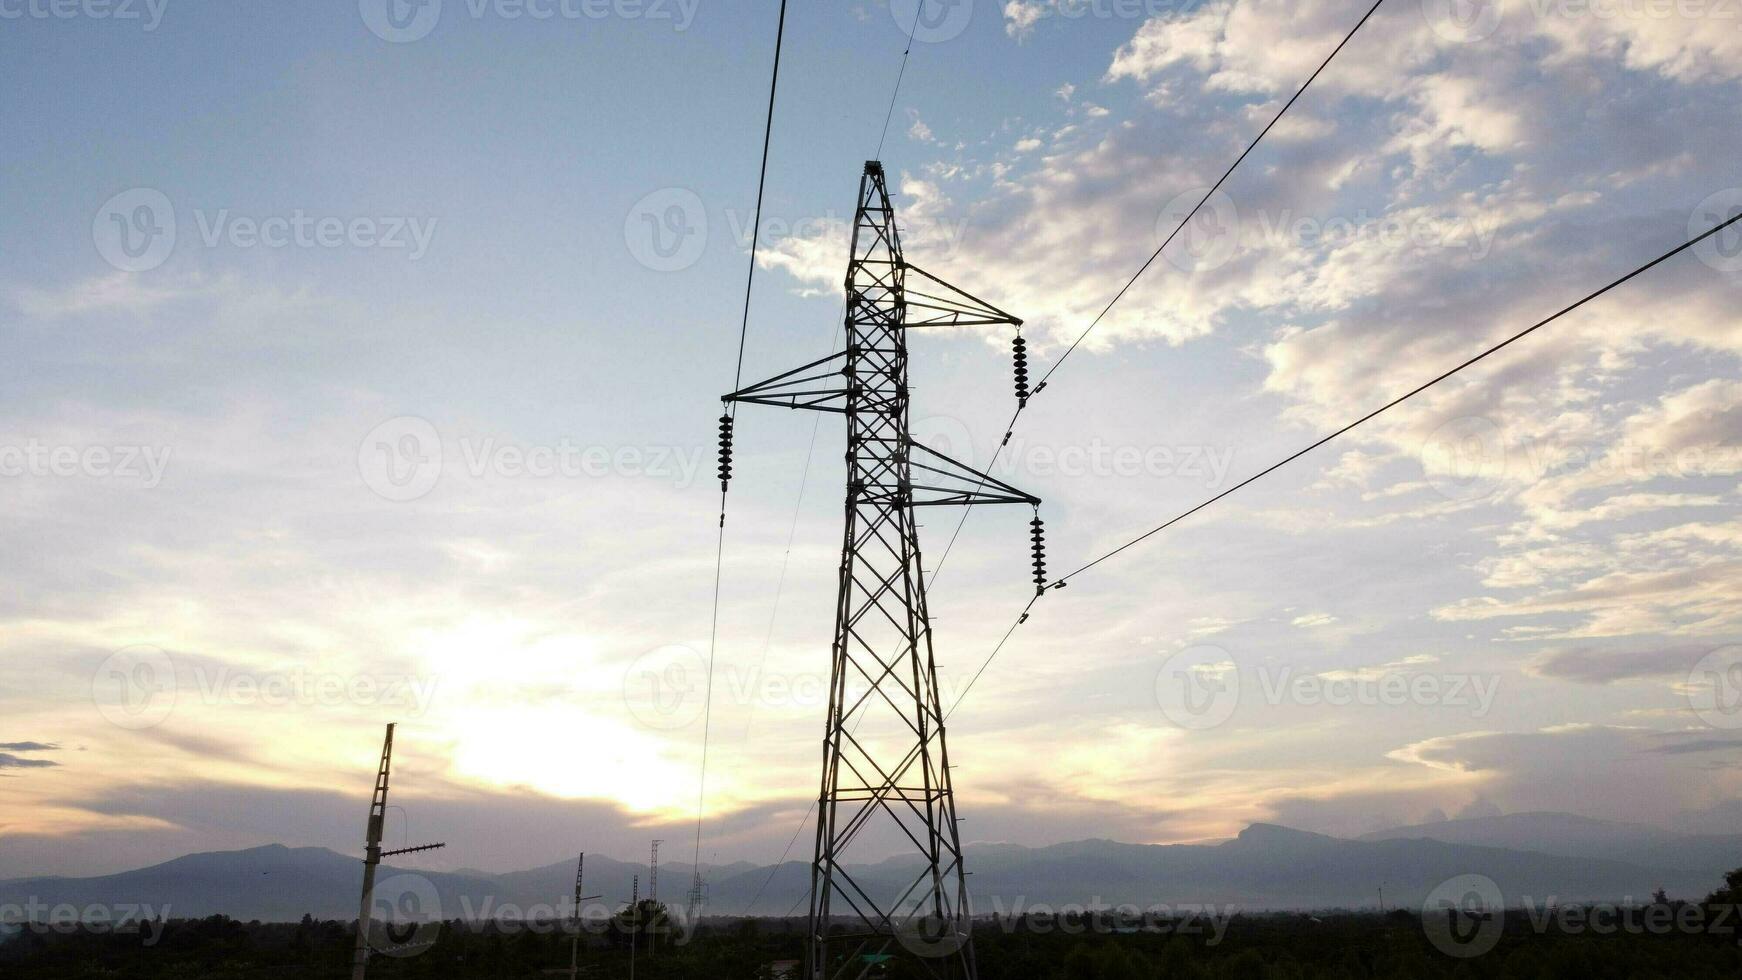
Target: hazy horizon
369,373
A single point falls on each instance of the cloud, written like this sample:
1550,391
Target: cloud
1586,665
1609,772
29,747
10,761
1020,16
119,292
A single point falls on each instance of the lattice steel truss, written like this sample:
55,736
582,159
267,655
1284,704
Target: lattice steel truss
886,771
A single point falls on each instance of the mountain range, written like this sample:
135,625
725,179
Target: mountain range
1532,857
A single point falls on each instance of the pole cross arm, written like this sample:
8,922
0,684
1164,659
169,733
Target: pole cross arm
819,386
412,850
941,481
931,302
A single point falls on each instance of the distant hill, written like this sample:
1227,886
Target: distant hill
1582,837
1266,867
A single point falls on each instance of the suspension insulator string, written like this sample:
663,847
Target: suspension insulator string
1037,533
725,451
1019,350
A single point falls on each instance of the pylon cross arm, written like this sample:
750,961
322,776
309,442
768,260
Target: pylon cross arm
939,480
818,386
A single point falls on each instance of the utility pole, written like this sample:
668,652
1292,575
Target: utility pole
886,769
372,855
653,902
634,922
577,924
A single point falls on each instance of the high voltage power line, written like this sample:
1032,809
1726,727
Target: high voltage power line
1010,427
726,427
1509,341
1187,220
1064,580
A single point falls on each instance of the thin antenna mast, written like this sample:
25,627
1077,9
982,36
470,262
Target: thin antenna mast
576,924
372,855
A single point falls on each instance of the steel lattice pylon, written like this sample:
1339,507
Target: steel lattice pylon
886,772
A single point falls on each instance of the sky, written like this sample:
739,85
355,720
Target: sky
367,357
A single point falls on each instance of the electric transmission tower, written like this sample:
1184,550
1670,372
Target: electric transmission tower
886,782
